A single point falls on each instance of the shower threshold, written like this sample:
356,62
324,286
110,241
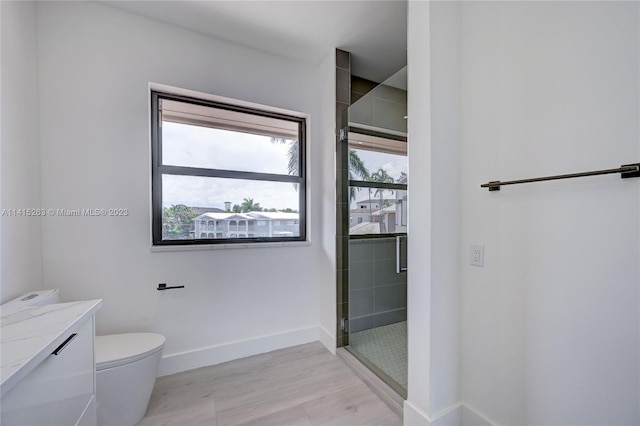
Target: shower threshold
380,387
379,356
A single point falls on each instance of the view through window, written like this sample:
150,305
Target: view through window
378,191
226,173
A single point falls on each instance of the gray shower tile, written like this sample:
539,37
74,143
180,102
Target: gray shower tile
342,276
361,85
391,94
362,323
343,85
340,250
344,217
343,59
345,290
342,113
385,249
390,115
390,317
361,250
355,96
385,273
390,298
361,303
361,275
340,193
342,154
343,173
363,111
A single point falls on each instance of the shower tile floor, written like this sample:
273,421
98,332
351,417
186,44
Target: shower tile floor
386,347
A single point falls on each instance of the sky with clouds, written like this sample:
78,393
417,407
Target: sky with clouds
195,146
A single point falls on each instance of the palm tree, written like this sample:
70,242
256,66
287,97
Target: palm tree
292,154
248,205
380,176
356,166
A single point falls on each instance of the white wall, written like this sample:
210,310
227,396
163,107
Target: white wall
21,260
434,210
417,407
446,120
550,324
95,64
326,163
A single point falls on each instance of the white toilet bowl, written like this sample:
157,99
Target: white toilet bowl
126,366
126,369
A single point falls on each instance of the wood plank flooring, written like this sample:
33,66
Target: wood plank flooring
303,385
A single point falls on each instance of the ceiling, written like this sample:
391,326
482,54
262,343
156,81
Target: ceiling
374,31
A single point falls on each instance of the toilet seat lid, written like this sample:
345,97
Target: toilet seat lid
116,349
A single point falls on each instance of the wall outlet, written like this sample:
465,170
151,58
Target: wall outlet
476,255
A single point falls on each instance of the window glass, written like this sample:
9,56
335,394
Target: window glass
225,173
374,211
196,146
367,165
382,208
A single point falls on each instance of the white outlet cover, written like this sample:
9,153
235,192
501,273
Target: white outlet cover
476,255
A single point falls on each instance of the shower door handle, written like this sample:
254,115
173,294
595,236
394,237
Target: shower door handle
399,267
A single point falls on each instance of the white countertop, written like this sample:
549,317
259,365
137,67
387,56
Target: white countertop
28,336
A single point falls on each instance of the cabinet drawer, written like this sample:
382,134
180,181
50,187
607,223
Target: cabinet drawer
59,389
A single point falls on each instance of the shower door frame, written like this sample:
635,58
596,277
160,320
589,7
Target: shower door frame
343,237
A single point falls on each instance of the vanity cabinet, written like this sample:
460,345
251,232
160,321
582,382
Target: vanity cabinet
59,390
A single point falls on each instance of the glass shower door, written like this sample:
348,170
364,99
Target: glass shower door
377,283
378,309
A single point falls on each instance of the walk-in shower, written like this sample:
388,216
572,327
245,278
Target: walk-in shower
374,127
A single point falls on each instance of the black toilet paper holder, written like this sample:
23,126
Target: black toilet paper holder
163,286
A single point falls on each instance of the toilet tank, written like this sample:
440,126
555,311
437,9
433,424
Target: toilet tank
33,298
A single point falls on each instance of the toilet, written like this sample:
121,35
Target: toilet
126,370
126,366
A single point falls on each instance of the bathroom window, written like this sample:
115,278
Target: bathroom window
226,162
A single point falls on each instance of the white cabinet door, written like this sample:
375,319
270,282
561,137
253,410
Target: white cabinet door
58,391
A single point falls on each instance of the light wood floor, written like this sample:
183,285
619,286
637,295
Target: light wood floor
303,385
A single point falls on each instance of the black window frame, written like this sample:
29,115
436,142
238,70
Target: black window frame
158,170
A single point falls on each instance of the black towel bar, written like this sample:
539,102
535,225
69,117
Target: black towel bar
626,171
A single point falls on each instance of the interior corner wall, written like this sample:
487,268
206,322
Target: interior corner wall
21,238
327,297
95,66
417,407
550,324
446,125
434,212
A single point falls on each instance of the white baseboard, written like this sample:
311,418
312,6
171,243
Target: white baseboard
413,416
451,416
457,415
471,417
211,355
327,339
